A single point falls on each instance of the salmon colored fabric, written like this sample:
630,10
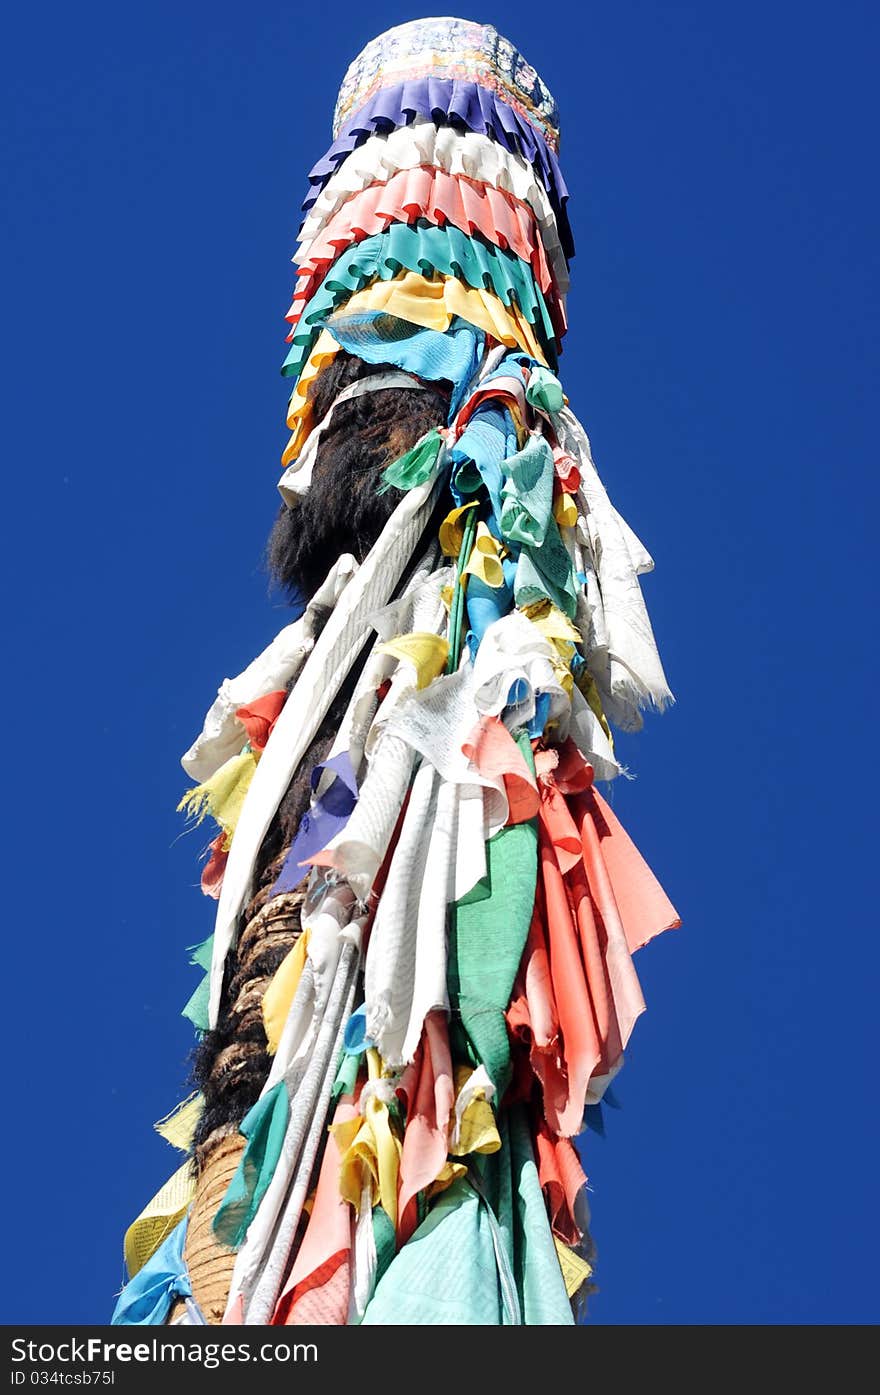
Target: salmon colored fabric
562,1179
533,1019
318,1286
581,1044
440,198
428,1092
491,748
643,906
259,717
212,872
577,995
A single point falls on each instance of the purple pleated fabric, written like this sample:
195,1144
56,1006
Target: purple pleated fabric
449,101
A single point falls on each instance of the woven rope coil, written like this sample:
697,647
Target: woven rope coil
209,1263
271,929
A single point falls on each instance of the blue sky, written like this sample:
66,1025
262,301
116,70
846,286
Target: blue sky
725,207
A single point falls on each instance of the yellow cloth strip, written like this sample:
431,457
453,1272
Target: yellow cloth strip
565,511
478,1132
223,795
431,304
370,1151
158,1218
575,1271
551,622
485,558
452,530
299,408
587,685
449,1173
280,993
425,651
178,1127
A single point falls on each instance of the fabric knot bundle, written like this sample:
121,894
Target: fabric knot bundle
425,978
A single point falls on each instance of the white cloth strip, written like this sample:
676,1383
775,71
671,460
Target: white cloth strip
311,1116
260,1235
629,673
325,669
297,478
394,948
222,734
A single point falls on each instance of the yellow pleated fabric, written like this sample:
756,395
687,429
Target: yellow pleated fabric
551,622
478,1132
431,304
158,1218
565,511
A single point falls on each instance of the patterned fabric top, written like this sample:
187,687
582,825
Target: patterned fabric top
449,48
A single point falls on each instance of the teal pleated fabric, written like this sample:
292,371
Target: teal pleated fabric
428,250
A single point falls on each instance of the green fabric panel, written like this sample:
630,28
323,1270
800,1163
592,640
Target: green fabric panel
197,1007
487,938
544,390
541,1287
446,1274
415,466
384,1239
546,572
527,493
346,1076
264,1127
201,954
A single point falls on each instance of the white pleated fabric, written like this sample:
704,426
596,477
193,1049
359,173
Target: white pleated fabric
358,850
457,152
222,734
325,669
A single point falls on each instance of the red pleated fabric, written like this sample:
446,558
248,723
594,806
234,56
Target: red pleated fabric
440,198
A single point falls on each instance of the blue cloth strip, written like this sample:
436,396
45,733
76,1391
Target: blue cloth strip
320,823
